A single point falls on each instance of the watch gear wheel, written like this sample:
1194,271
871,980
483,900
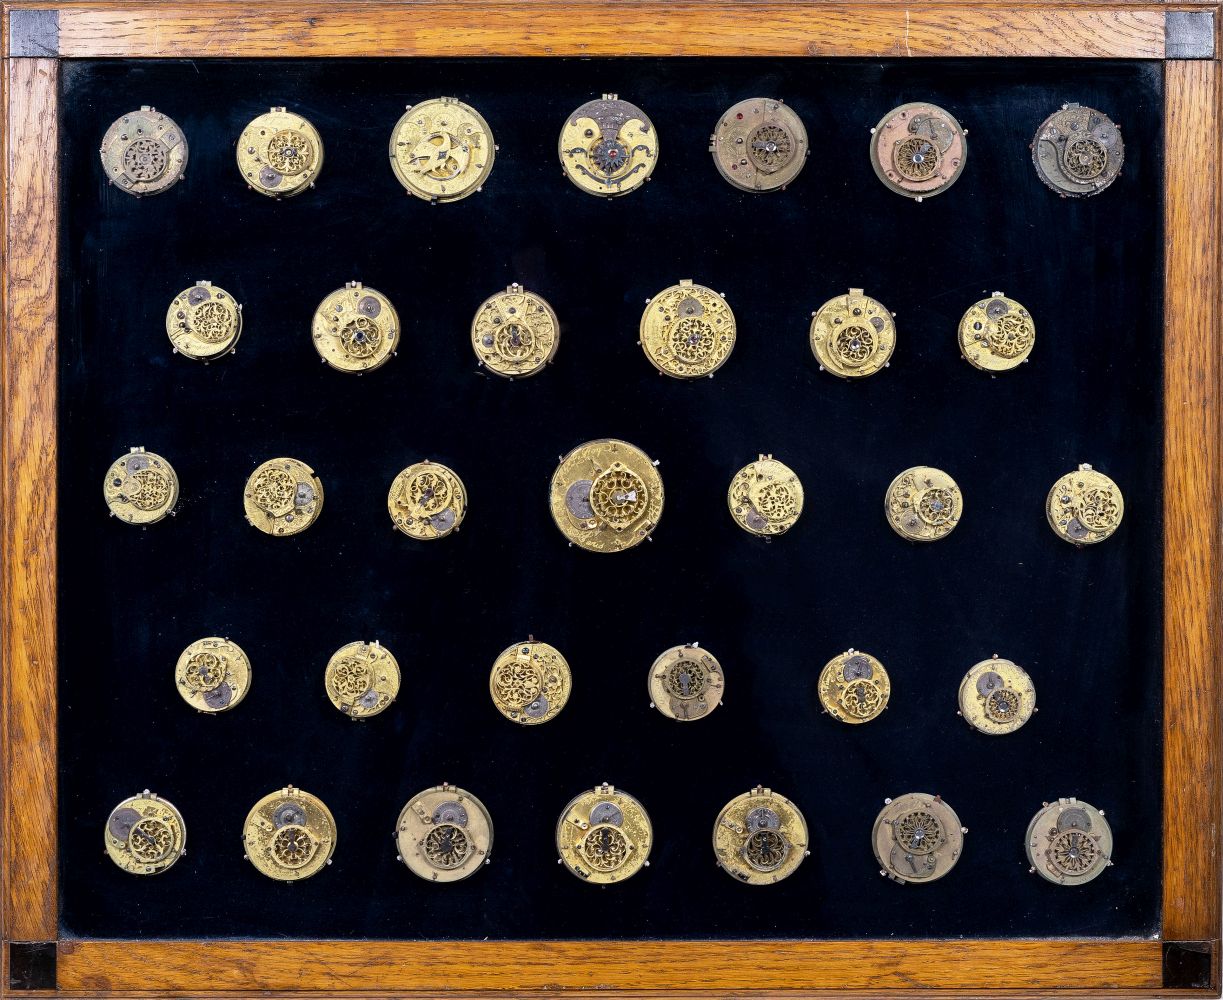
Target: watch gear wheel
283,496
923,504
608,147
918,150
996,334
1069,842
140,487
289,835
444,834
604,836
442,150
685,683
917,838
362,679
530,682
1084,507
765,497
203,322
606,496
687,330
759,145
997,696
1078,151
854,687
515,333
760,837
355,329
853,335
427,500
279,154
213,674
145,834
144,152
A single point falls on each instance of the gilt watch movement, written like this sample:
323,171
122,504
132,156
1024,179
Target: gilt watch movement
444,834
687,330
203,322
608,147
283,496
1078,151
144,152
427,500
917,838
765,497
530,682
289,835
760,837
1069,842
997,696
279,154
686,682
853,335
362,679
140,487
145,834
606,496
515,333
918,150
854,687
355,329
923,504
759,145
996,334
1084,507
604,835
442,150
213,674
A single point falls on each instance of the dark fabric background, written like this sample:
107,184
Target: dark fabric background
1086,624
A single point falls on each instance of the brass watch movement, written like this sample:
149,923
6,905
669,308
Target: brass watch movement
444,834
765,497
687,330
362,679
204,322
759,145
355,329
854,687
1069,842
997,696
279,154
1084,507
608,147
917,838
442,150
760,837
530,682
427,500
1078,151
289,835
144,152
996,334
923,504
606,496
140,487
686,682
145,834
515,333
283,496
604,835
853,335
918,150
213,674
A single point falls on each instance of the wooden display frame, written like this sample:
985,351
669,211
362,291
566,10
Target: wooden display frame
35,960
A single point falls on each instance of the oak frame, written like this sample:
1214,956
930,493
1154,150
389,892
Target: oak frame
36,34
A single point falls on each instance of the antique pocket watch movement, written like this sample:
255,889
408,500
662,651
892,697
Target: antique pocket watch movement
996,334
1069,842
760,837
608,147
362,679
140,487
144,152
283,497
1078,151
923,504
204,322
918,150
213,674
280,154
289,835
442,150
427,500
606,495
997,696
917,838
759,145
765,497
145,834
604,835
687,330
444,834
854,687
1084,507
852,335
530,682
686,682
355,329
515,333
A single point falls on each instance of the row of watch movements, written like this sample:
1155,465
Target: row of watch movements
687,331
605,496
443,150
604,836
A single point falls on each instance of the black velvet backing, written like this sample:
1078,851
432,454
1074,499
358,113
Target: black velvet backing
1086,624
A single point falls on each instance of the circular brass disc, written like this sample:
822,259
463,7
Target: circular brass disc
355,329
1085,507
918,150
427,500
442,150
145,834
917,838
686,683
606,496
213,674
1069,842
530,682
1078,151
140,487
283,497
854,687
760,837
289,835
765,497
996,334
362,679
608,147
687,330
852,335
759,145
203,322
604,835
280,154
144,152
923,504
444,834
515,333
997,696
